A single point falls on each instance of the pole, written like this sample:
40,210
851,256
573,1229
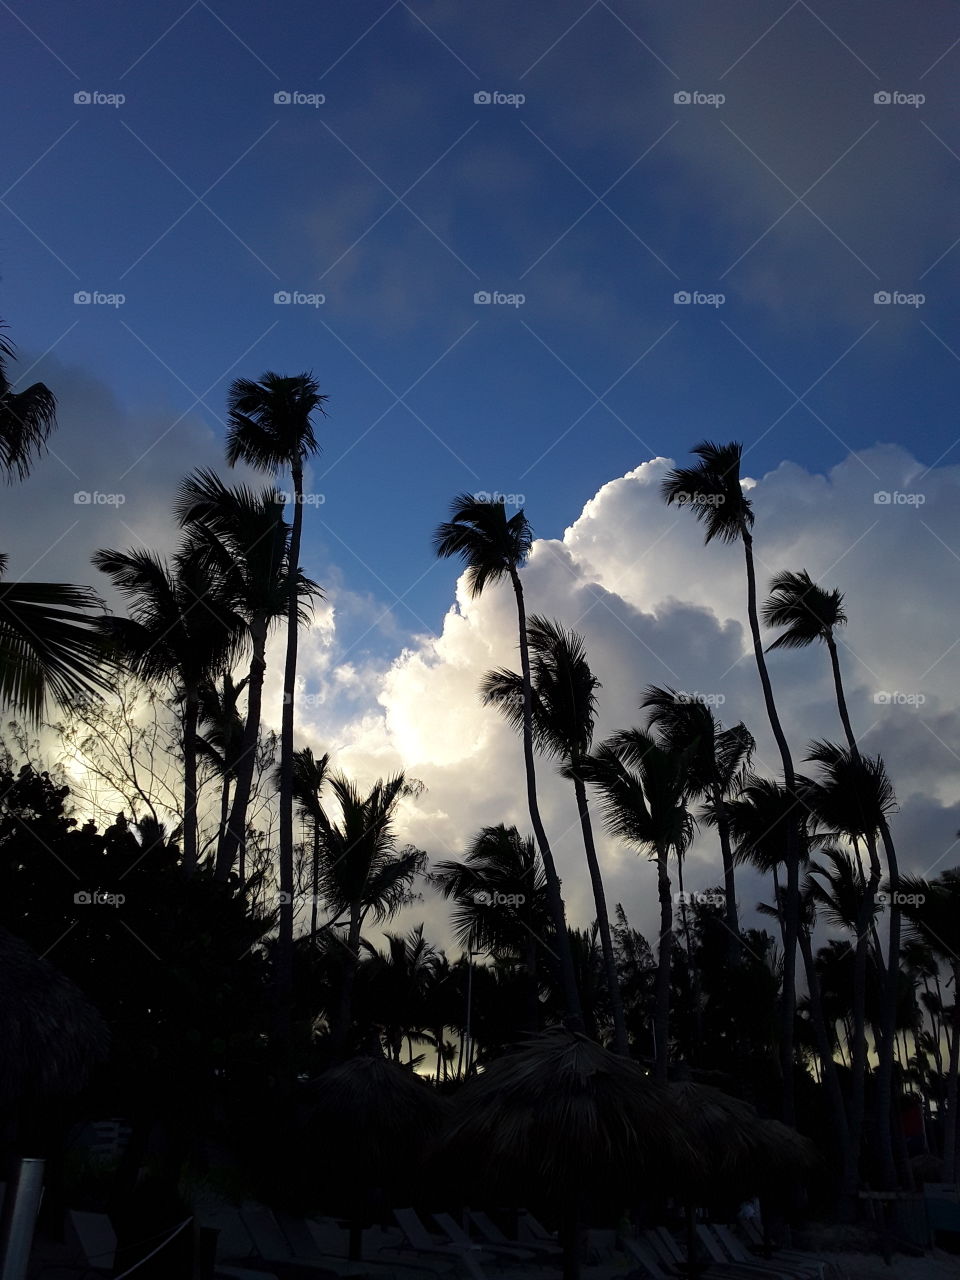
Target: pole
22,1204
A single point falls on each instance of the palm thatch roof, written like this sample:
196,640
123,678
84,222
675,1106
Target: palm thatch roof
565,1118
741,1152
51,1035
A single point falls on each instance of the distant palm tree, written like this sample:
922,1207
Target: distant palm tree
563,704
713,491
221,740
492,548
309,776
181,633
26,419
50,645
642,783
242,537
271,428
398,983
363,871
718,759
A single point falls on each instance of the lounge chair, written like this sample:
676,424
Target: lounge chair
547,1249
674,1261
642,1254
750,1265
789,1259
457,1235
420,1240
533,1231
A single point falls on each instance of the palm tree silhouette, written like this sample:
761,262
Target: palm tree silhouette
642,783
221,741
181,633
712,490
271,428
309,777
26,419
492,548
718,758
563,707
242,537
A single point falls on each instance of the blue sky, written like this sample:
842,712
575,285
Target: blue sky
798,197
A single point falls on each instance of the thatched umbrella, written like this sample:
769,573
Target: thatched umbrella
742,1154
376,1118
52,1036
575,1122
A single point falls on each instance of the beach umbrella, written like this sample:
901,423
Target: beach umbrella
52,1037
376,1118
570,1123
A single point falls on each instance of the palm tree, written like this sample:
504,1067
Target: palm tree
718,758
26,419
397,989
713,491
309,776
221,740
182,634
492,548
363,873
242,537
563,704
499,891
809,613
642,783
271,428
50,645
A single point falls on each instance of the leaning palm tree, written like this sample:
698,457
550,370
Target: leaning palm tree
809,613
492,548
271,428
564,702
181,633
718,760
642,783
50,645
713,491
364,873
26,419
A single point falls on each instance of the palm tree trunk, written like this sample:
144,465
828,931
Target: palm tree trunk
191,715
532,983
224,811
235,836
661,1007
858,1050
729,874
603,920
792,851
888,1019
345,1013
568,979
949,1120
315,877
841,700
692,969
284,970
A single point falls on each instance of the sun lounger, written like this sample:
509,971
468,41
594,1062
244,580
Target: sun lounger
93,1236
673,1260
492,1234
457,1235
420,1240
788,1259
751,1266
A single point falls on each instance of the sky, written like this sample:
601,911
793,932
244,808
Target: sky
792,169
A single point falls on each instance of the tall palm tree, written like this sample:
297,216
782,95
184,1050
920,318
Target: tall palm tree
718,759
563,705
181,633
270,427
492,548
242,537
309,777
26,419
499,892
809,613
363,873
50,644
220,740
713,491
642,784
